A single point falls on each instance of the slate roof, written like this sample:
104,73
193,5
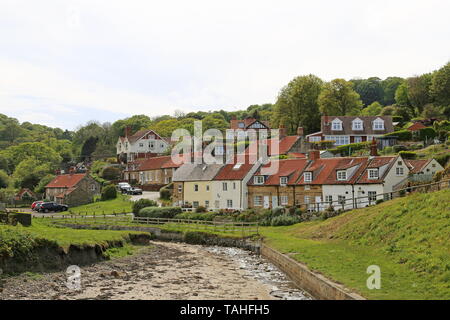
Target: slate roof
347,125
197,172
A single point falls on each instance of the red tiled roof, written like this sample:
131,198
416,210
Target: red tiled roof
153,163
284,146
375,163
234,172
415,166
321,169
297,155
380,161
291,168
346,163
66,180
416,126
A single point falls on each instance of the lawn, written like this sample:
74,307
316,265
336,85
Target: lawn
122,204
408,238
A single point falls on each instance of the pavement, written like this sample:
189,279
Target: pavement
151,195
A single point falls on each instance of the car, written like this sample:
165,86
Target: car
52,207
33,205
37,206
123,187
134,191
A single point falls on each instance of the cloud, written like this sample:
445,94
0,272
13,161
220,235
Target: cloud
118,58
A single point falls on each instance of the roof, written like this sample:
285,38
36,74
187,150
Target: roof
291,168
321,169
196,172
359,164
416,126
347,125
66,180
285,145
234,124
376,163
140,134
416,166
234,171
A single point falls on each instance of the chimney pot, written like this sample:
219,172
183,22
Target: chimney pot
373,148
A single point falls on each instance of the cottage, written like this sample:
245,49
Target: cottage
423,170
72,189
25,194
142,144
351,129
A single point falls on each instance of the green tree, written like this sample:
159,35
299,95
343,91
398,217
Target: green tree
369,90
401,95
297,104
373,109
29,173
339,99
31,150
419,91
432,111
4,179
390,86
109,192
40,188
440,85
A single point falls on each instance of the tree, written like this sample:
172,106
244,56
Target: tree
373,110
440,85
29,173
4,179
339,99
88,148
369,90
40,188
432,111
297,104
390,86
109,192
419,91
110,173
31,150
401,95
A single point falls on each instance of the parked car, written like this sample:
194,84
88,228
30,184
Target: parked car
33,205
134,191
38,206
52,207
123,187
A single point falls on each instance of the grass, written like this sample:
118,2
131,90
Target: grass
407,237
119,205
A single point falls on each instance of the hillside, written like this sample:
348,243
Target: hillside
407,237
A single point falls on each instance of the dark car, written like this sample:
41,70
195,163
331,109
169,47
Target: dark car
134,191
52,207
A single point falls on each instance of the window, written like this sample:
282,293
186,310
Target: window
241,125
307,187
336,125
229,203
358,139
434,165
378,124
195,204
315,139
224,186
306,199
283,181
284,200
141,145
399,163
373,173
196,187
307,176
399,171
258,180
329,199
93,187
258,201
206,204
357,124
342,175
219,150
338,140
341,200
207,188
234,185
372,195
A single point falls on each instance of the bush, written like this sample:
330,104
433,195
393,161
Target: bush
443,159
347,149
408,154
165,194
4,179
379,201
157,212
201,209
284,220
278,211
192,237
207,216
402,135
398,148
427,134
143,203
109,192
110,173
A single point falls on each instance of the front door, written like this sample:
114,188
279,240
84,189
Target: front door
321,205
274,201
266,202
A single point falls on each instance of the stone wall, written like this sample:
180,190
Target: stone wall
315,284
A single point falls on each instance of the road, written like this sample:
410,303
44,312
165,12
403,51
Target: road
151,195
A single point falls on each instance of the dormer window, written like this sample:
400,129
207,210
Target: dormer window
342,175
241,125
307,176
378,124
373,174
357,124
336,125
283,181
258,180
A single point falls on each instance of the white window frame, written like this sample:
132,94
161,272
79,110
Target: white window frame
307,176
284,200
359,138
258,180
399,171
372,196
357,125
336,125
224,186
378,124
229,203
196,188
283,181
371,175
339,174
258,201
329,198
315,139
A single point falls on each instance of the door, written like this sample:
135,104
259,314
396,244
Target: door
274,201
321,205
266,202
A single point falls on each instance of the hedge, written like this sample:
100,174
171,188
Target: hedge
408,154
427,133
345,149
402,135
157,212
109,192
143,203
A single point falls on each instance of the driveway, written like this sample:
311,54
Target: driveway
151,195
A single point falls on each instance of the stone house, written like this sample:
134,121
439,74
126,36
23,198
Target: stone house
72,189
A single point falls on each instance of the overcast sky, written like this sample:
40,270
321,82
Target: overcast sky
63,63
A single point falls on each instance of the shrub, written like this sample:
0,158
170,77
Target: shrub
402,135
284,220
278,211
427,133
192,237
443,159
207,216
143,203
408,154
347,149
398,148
165,193
109,192
379,201
201,209
157,212
330,213
110,173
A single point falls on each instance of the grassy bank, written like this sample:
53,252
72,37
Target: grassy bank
119,205
408,238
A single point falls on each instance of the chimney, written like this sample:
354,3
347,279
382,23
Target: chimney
58,172
373,148
72,170
314,155
283,131
127,131
300,131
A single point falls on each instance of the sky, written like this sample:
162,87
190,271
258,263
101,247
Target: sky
63,63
